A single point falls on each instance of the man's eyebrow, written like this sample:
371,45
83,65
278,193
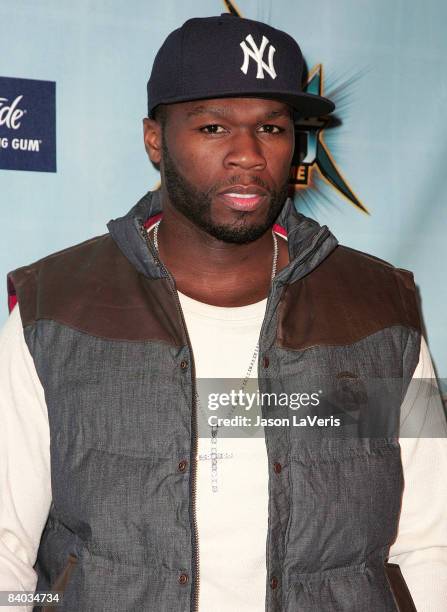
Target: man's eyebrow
204,110
222,112
283,112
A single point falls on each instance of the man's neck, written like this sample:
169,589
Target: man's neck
216,272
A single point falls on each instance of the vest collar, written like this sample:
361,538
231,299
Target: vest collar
309,243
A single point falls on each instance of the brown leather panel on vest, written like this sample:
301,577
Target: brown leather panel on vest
94,289
349,296
60,584
399,587
24,282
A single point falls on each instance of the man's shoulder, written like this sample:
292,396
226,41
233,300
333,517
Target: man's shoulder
75,253
359,262
372,285
68,273
349,296
350,254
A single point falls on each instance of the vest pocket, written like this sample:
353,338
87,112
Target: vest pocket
60,584
345,493
399,588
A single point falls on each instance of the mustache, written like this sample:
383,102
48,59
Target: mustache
239,180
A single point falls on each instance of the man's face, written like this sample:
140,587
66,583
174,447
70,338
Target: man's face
226,162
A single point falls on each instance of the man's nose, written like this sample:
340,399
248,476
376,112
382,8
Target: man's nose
245,151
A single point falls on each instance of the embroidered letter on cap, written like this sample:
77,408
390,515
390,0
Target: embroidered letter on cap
257,54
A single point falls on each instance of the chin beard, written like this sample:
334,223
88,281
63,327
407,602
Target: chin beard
196,206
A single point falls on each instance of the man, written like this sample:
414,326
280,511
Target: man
215,276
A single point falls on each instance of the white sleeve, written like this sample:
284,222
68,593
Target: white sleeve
25,481
421,545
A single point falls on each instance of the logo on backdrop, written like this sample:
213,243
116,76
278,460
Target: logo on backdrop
312,153
27,124
11,115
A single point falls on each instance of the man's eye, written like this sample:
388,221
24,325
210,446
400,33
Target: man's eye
213,128
272,129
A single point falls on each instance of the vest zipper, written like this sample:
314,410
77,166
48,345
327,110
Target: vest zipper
194,437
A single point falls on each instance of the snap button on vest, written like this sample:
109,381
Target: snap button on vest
182,465
277,467
183,364
183,578
273,582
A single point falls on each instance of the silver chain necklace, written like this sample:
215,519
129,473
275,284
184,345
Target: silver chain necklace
214,428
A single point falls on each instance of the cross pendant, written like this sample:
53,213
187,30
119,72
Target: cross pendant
214,456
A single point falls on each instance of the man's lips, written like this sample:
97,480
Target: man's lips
243,198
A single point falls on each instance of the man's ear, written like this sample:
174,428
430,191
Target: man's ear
152,140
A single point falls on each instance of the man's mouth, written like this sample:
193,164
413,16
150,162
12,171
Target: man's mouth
243,199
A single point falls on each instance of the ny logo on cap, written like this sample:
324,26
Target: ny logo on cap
257,54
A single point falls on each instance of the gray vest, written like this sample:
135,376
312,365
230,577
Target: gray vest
105,329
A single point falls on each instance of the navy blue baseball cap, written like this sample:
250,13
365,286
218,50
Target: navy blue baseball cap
229,56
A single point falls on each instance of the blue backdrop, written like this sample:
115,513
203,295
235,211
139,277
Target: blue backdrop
384,64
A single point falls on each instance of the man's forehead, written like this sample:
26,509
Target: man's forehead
227,107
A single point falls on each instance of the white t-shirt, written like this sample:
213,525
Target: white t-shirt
232,521
232,559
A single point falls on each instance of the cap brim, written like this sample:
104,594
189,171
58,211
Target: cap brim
305,105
